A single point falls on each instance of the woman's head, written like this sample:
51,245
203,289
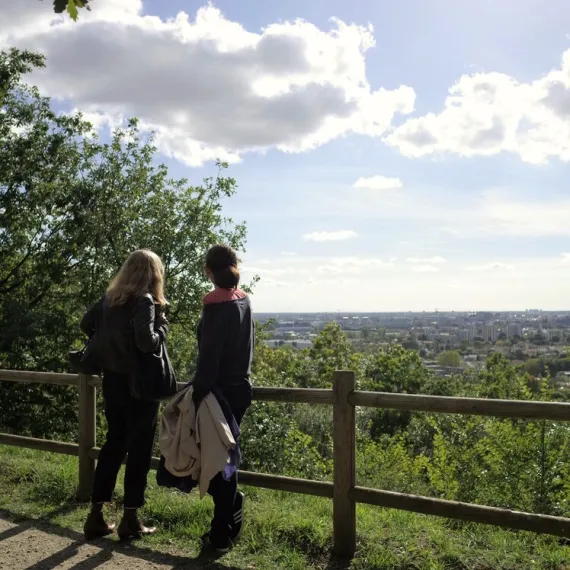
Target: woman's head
141,273
222,266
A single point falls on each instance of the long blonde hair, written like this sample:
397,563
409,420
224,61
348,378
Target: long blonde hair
141,273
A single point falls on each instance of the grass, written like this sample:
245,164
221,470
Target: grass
283,531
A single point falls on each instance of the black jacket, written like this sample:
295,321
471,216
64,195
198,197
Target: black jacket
115,330
225,341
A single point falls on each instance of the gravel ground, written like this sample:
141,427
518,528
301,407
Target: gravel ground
33,546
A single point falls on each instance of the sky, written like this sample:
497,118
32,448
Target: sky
390,156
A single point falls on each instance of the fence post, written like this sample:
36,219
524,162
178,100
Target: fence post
344,449
87,436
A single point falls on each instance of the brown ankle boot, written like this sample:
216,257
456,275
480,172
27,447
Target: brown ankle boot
131,526
95,525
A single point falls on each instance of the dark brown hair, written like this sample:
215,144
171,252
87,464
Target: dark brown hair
222,261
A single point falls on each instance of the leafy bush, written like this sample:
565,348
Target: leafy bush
273,443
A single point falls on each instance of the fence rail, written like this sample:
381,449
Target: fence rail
343,490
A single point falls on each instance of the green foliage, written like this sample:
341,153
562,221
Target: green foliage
316,421
395,369
71,7
72,209
442,469
513,464
450,358
331,351
540,366
388,464
392,369
273,443
501,380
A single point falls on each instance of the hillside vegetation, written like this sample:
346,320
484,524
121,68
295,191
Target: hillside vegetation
283,531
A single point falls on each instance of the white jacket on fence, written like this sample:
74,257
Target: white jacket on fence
195,445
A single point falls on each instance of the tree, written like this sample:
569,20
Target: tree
42,194
464,347
501,380
410,343
331,351
393,369
450,358
534,366
72,209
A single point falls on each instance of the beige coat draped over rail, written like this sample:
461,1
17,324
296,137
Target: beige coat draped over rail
195,444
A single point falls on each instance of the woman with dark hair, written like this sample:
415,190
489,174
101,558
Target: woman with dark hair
131,311
225,340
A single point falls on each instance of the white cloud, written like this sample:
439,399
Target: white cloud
493,266
276,271
503,213
343,265
489,113
322,236
426,260
378,182
338,269
363,283
426,269
322,266
208,87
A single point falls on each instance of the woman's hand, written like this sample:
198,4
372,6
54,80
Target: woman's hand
198,394
160,320
161,325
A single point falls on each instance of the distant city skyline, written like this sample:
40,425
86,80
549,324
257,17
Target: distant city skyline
517,313
516,335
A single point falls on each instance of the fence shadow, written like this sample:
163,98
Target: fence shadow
23,523
106,548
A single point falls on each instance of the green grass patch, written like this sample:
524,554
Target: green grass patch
283,531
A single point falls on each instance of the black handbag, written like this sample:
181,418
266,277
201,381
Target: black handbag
85,361
152,377
82,361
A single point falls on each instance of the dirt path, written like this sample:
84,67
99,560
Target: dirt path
35,546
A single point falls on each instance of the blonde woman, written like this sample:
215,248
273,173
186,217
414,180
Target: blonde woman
131,309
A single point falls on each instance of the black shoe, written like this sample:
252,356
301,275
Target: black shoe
131,527
220,544
96,527
237,524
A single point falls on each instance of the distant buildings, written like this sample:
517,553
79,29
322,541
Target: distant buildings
432,332
514,330
467,335
554,335
490,333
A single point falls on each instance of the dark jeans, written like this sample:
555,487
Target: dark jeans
131,430
224,492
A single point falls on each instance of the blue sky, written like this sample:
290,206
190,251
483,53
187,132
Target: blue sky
462,109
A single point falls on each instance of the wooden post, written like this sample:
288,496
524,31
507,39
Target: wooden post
87,436
344,442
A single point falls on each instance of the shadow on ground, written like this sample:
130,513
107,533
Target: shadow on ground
105,553
40,544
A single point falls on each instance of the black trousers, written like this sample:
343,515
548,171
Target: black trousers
224,492
131,429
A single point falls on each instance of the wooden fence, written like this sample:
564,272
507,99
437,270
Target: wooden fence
344,491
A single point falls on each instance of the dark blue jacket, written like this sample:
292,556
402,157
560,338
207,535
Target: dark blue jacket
225,341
